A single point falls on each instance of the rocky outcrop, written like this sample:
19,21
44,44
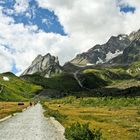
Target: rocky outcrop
134,35
122,49
103,53
44,65
131,53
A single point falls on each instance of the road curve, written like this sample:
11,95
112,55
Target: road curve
30,125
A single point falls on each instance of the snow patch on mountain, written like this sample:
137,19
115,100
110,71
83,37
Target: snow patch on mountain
97,50
89,64
111,55
5,78
99,61
122,37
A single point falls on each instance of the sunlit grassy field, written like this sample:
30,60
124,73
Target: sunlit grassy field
118,118
8,108
16,89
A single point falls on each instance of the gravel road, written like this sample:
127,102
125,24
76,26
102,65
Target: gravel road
31,125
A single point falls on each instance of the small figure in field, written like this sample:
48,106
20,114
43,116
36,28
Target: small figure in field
30,103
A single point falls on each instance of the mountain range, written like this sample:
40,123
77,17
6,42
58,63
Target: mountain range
122,49
118,50
111,69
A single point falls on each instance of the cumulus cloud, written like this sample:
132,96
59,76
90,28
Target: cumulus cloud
85,22
21,6
90,22
6,59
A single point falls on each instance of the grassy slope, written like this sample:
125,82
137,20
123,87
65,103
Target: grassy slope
16,89
116,76
91,78
62,82
118,118
113,77
135,69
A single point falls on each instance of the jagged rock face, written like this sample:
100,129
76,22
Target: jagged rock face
44,65
134,35
130,54
103,53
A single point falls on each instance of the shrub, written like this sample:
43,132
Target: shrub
54,113
79,131
110,101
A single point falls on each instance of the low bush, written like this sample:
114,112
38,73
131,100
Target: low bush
79,131
54,113
65,100
110,101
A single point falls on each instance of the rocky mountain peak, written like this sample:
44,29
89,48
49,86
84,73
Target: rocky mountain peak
46,66
131,53
134,35
37,59
103,53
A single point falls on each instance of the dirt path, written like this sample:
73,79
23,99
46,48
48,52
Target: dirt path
31,125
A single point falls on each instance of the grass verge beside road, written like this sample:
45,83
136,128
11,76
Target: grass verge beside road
9,108
118,118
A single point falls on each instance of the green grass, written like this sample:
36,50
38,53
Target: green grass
113,78
120,77
110,102
16,89
54,113
110,74
135,69
62,82
118,118
92,80
79,131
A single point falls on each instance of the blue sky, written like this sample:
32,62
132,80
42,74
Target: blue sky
14,69
127,9
43,18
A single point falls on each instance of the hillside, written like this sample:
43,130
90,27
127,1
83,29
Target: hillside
112,69
61,84
108,80
12,88
134,69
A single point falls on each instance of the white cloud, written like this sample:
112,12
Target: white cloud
93,21
86,22
6,59
21,6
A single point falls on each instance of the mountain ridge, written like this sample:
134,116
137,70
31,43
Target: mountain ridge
46,66
131,53
104,53
122,49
